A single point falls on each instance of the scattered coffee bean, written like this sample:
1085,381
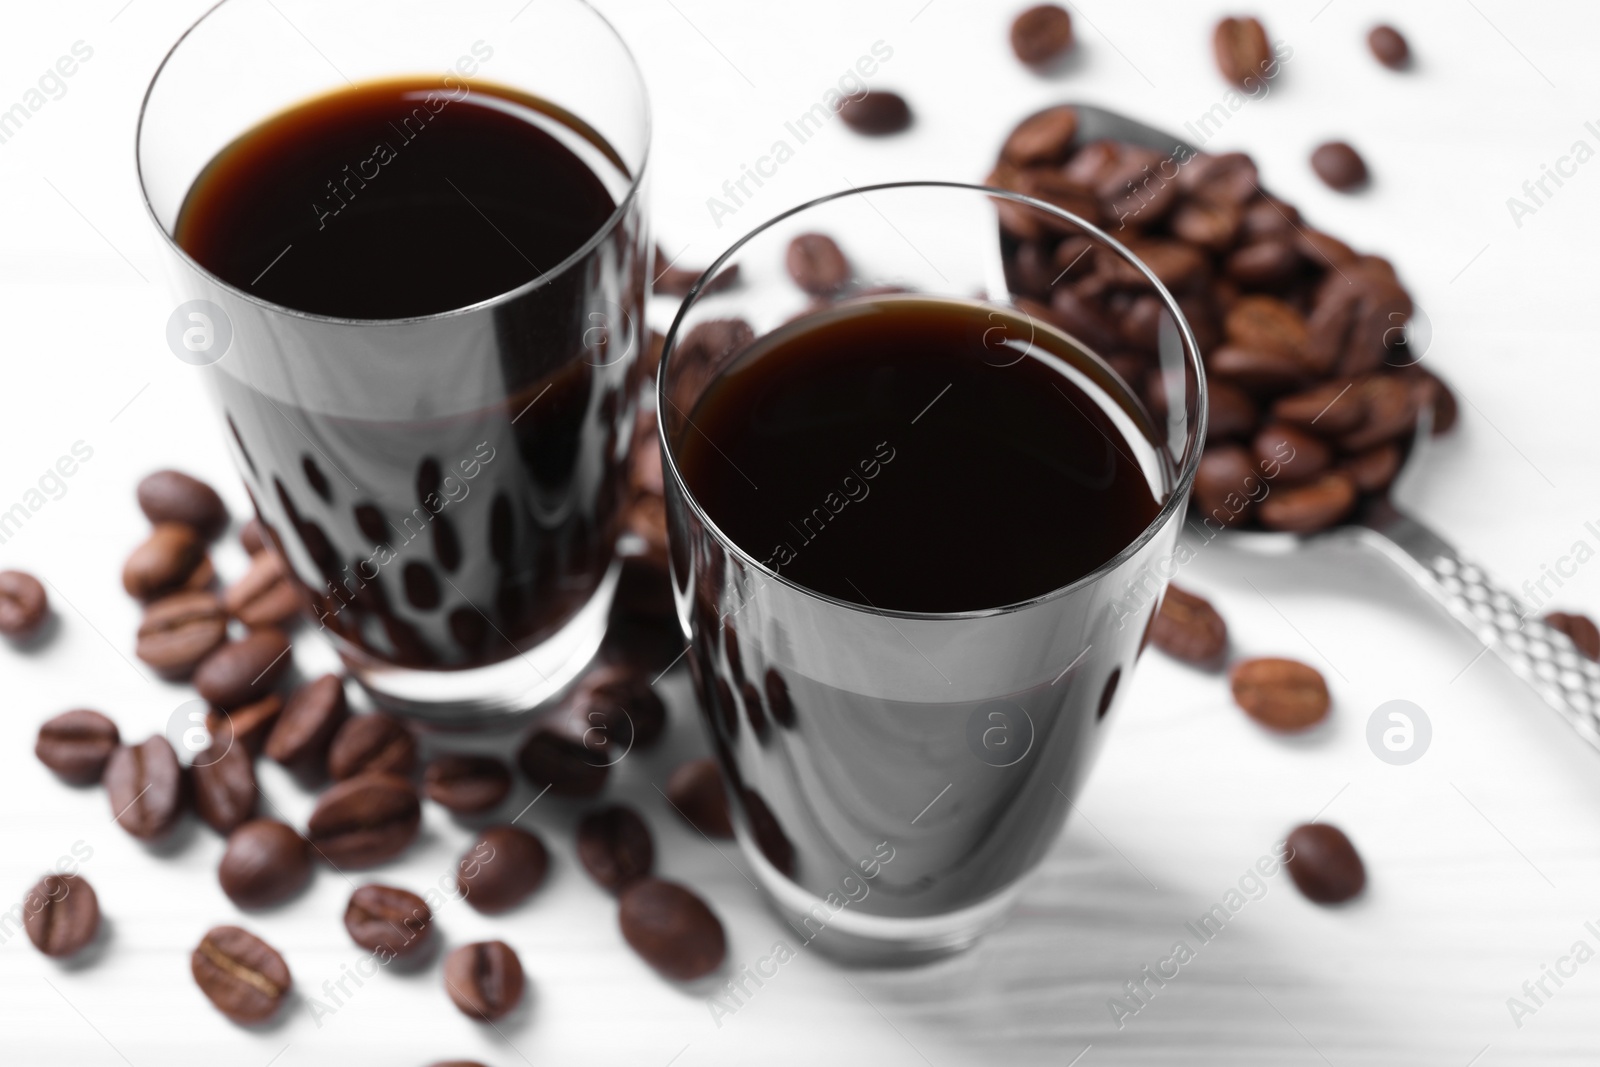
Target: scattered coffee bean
696,793
1339,165
144,783
1043,138
224,784
179,631
172,496
23,604
1324,864
1226,485
1243,53
248,725
466,784
672,929
164,562
484,979
76,745
614,846
312,716
391,922
375,743
1282,694
253,536
1187,627
501,868
1330,409
1290,456
1042,34
241,974
61,914
876,112
1389,47
266,595
265,863
365,820
1580,630
1311,507
562,754
1374,469
817,264
245,670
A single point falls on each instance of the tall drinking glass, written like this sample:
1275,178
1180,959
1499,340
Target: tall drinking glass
446,485
893,774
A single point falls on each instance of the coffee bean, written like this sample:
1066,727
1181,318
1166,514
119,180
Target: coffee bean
179,631
23,604
484,979
1373,470
1226,485
1267,324
568,752
1282,694
313,714
224,784
1308,508
248,725
1187,627
61,914
696,793
1228,180
1324,864
1268,264
1320,249
375,743
1391,408
172,496
1042,34
1580,630
1339,165
1042,138
76,745
1389,47
242,975
1128,193
391,922
1258,371
1214,226
876,112
266,595
1331,409
144,783
244,670
501,868
672,929
1243,54
362,821
164,562
1289,456
466,784
817,264
253,536
1231,412
615,847
265,863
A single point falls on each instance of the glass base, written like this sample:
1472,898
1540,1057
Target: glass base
486,696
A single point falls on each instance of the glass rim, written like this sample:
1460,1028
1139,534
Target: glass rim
1193,446
624,205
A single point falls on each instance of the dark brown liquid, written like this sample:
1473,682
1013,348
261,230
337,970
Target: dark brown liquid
921,454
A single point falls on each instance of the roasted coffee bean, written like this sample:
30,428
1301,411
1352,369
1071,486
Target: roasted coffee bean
501,868
1339,165
1391,408
1374,469
374,743
816,264
164,562
1243,53
1042,34
1282,694
1213,226
1268,264
1049,185
1389,47
1083,318
265,863
76,745
615,847
1330,409
244,670
484,979
1258,371
241,974
620,699
1231,412
672,929
1132,191
466,784
571,748
253,536
365,820
1187,627
61,914
266,595
1324,864
391,922
1176,265
1580,630
172,496
179,631
1268,218
313,714
1229,179
224,781
248,725
1042,138
1267,324
144,783
23,604
876,112
1307,508
1226,485
696,793
1289,456
1321,250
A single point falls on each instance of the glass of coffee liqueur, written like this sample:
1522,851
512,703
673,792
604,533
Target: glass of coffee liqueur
410,245
919,528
